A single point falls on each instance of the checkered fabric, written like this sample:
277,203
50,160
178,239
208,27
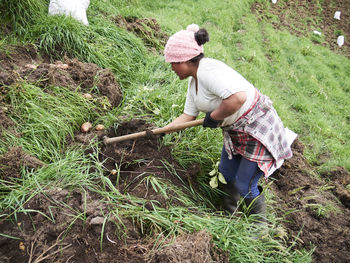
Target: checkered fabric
259,135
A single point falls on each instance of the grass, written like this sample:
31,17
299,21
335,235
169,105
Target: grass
325,211
72,170
46,122
21,14
308,84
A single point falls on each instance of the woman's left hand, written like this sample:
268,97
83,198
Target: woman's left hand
210,122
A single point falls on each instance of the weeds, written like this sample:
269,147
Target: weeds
308,84
325,211
46,120
21,14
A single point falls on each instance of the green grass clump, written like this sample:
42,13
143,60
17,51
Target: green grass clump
101,43
71,171
59,36
46,120
21,14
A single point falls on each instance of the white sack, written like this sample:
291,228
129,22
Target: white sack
340,41
75,8
337,15
274,1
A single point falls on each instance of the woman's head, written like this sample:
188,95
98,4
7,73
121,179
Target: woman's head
186,45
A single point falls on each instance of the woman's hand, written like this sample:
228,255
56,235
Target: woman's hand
209,122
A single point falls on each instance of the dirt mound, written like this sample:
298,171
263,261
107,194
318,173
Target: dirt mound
5,121
147,29
194,248
25,64
313,215
141,161
18,56
70,226
13,160
339,181
302,17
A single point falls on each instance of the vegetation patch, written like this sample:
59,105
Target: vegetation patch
66,196
148,29
302,18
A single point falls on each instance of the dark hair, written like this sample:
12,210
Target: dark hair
196,59
201,36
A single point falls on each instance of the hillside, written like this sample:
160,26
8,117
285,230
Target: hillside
68,197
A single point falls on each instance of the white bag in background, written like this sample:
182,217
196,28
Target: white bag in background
340,41
337,15
75,8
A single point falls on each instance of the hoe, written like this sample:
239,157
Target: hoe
173,128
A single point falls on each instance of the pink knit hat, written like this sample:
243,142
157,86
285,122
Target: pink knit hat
182,46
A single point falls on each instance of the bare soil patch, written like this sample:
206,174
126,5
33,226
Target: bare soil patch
5,121
147,29
24,64
302,17
319,210
153,160
13,160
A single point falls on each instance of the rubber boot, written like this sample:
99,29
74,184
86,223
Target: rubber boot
231,197
257,207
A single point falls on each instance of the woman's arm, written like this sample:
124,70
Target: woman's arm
229,106
181,119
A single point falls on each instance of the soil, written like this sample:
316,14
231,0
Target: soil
152,160
315,209
42,236
25,64
12,161
80,242
147,29
303,199
302,17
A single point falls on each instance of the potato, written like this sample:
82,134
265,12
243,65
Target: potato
62,66
100,127
87,96
21,246
32,66
86,127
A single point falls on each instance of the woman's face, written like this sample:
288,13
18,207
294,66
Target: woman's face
182,69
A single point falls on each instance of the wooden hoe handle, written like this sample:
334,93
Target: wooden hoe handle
172,128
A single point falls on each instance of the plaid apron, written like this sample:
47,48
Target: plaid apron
258,135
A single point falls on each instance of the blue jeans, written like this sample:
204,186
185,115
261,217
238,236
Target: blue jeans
243,173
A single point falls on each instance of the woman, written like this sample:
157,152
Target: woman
255,141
